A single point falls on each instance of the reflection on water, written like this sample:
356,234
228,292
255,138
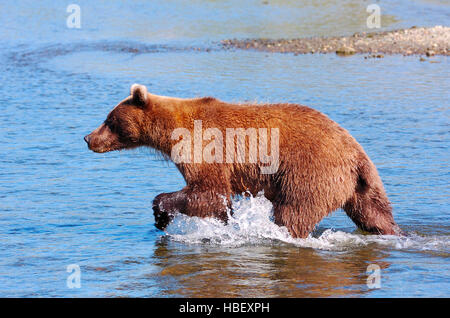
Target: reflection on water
267,270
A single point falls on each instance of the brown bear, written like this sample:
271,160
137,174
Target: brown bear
314,166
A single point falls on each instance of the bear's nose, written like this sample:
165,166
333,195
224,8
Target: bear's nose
87,139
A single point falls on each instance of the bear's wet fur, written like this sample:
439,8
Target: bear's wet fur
321,166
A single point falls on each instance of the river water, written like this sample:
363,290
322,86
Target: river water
62,204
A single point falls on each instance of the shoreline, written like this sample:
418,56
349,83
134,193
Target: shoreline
413,41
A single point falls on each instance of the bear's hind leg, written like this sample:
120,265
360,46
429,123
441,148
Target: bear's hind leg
296,219
369,207
372,212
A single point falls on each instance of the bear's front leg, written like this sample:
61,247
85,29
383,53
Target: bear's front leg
192,202
165,205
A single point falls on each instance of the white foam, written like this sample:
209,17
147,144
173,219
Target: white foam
252,223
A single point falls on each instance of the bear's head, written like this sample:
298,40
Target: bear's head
124,126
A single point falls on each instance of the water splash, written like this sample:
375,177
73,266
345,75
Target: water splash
252,223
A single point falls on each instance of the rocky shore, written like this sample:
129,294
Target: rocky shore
412,41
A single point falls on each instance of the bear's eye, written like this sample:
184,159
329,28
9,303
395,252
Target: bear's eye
121,130
111,125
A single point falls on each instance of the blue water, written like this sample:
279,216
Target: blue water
62,204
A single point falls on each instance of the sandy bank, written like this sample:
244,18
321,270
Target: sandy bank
412,41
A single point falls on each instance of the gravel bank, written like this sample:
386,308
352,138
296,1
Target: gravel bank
412,41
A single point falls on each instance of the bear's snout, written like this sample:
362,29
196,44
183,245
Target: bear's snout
102,140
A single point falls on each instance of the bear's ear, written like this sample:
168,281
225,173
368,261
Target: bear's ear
139,94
